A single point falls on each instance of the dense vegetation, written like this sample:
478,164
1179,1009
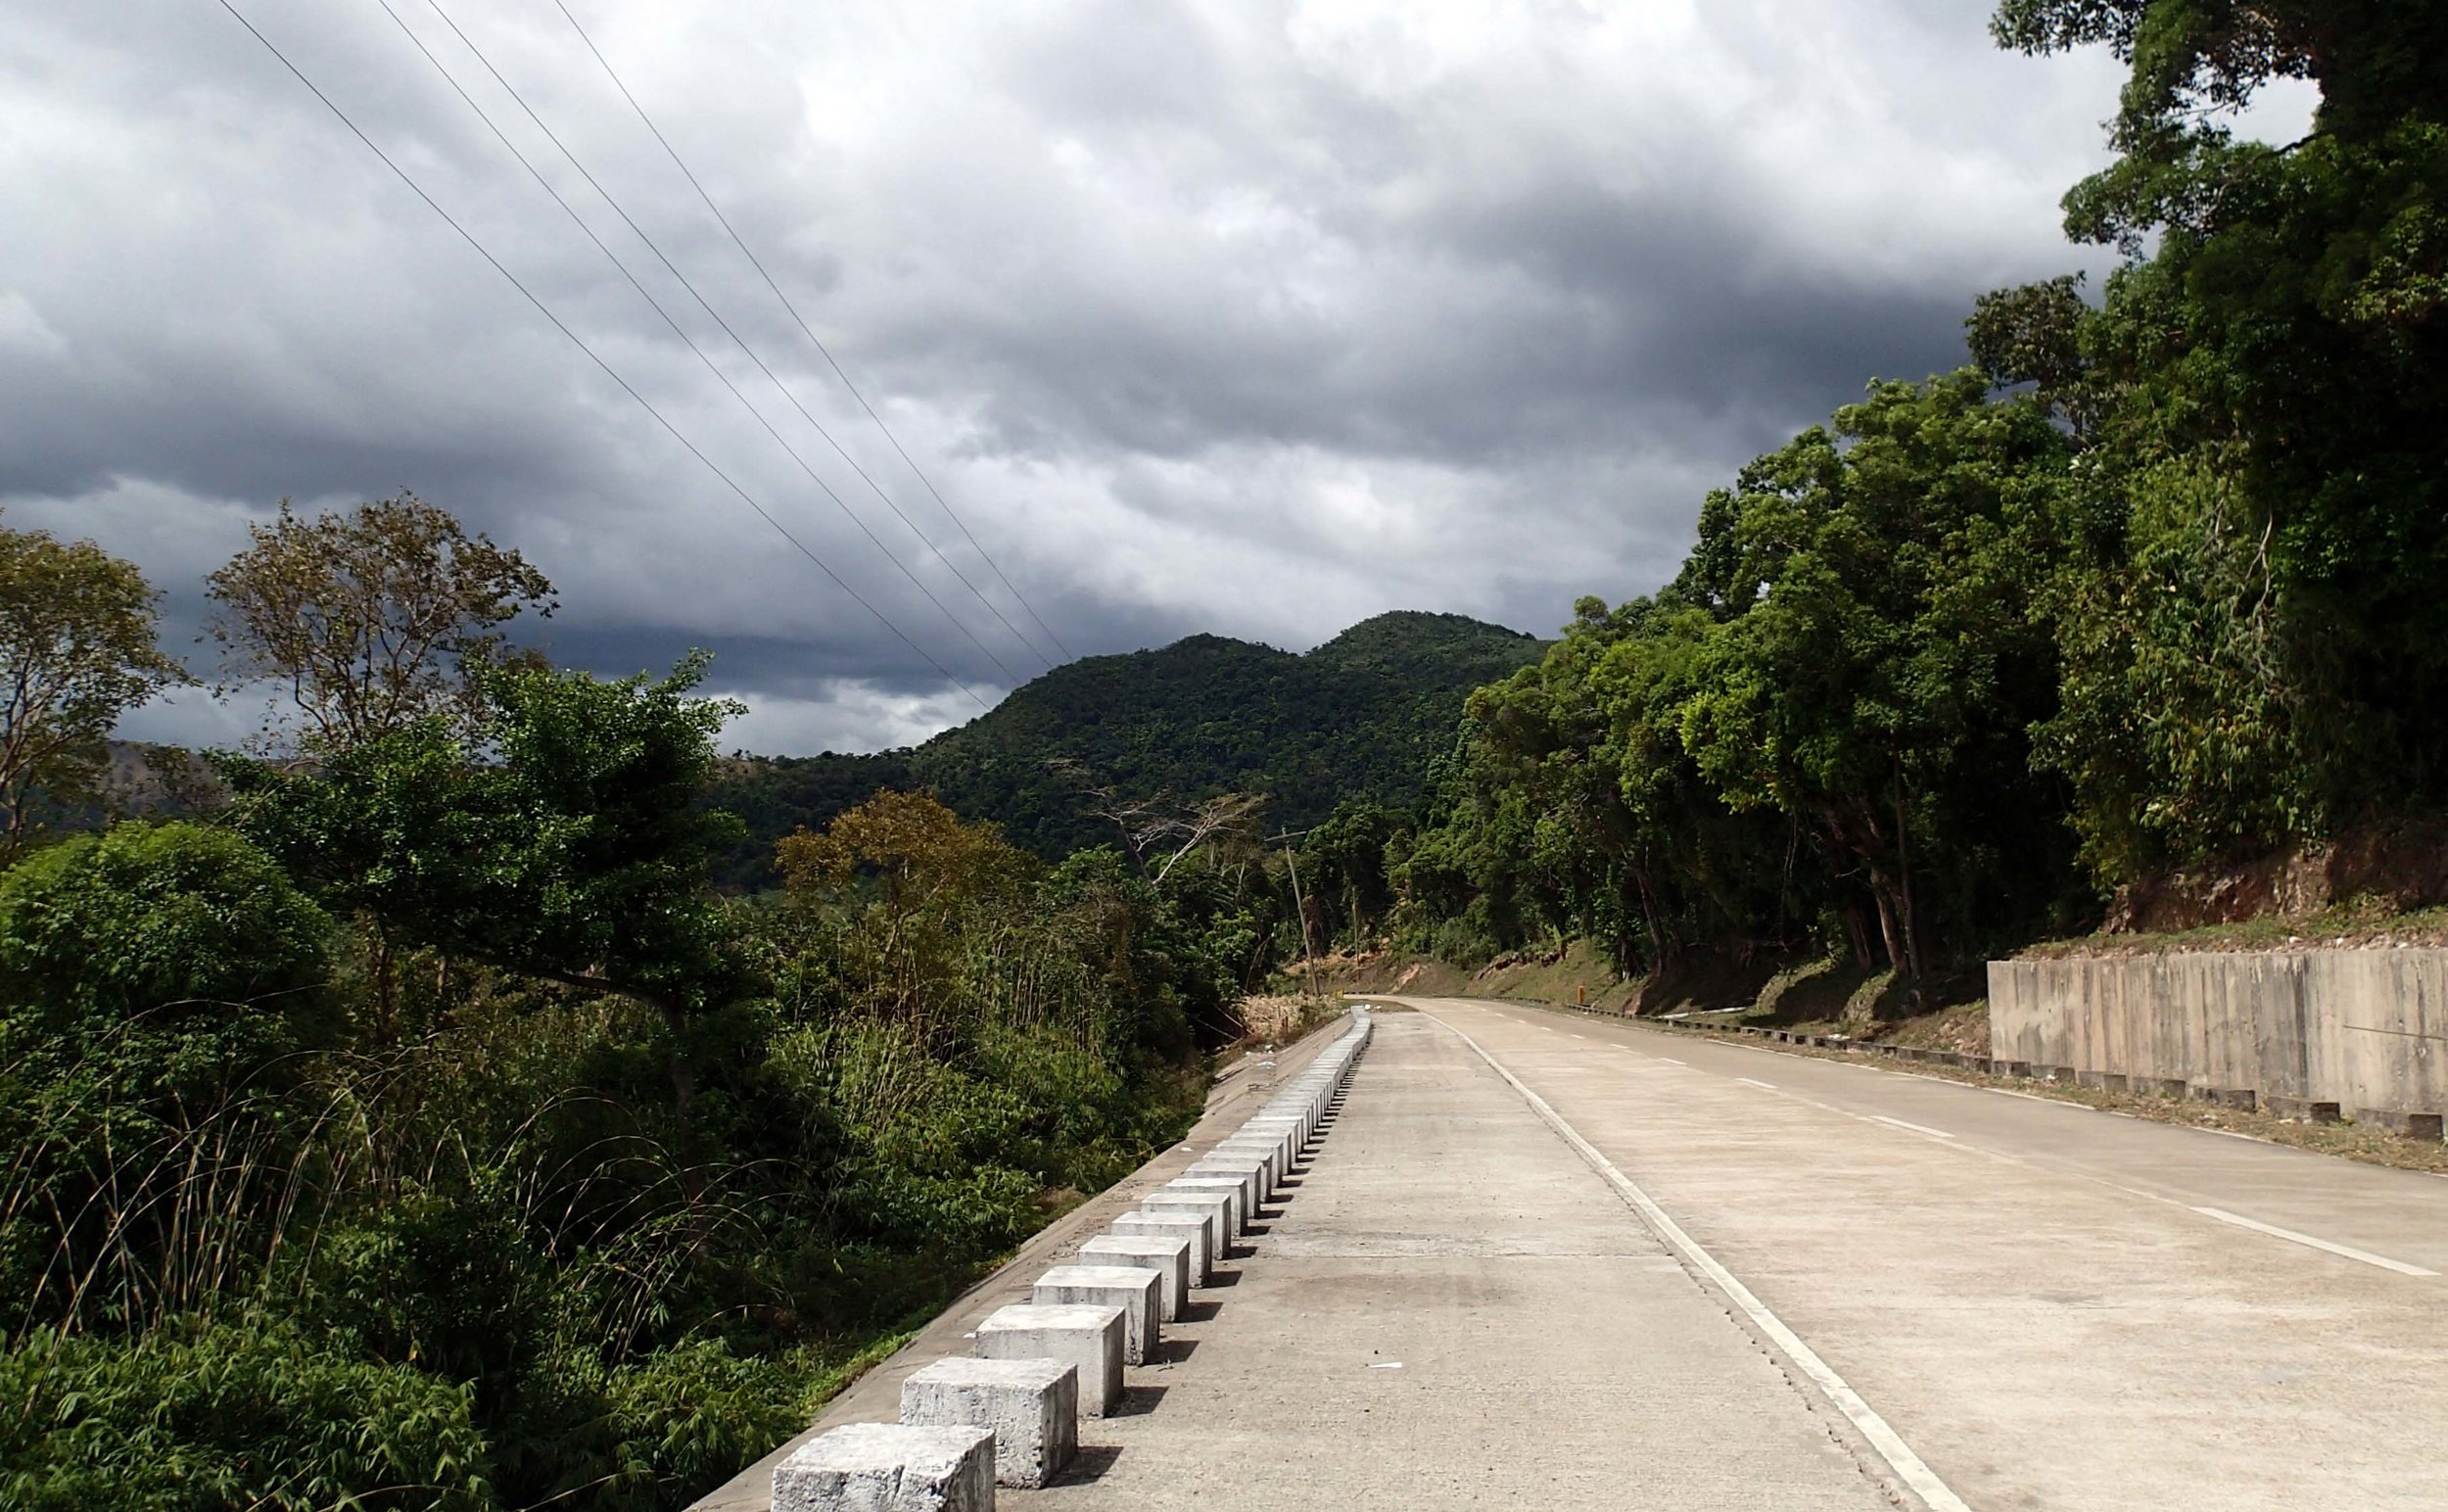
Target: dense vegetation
421,1128
416,1123
1354,719
2159,583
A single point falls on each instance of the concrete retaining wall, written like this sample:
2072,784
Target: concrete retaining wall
2366,1029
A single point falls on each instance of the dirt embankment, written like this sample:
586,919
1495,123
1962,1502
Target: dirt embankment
1580,975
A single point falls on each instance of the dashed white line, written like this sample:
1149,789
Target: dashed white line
1917,1128
2219,1214
1579,1036
2347,1250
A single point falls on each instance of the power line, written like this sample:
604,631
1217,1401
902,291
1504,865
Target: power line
677,330
580,343
737,339
815,340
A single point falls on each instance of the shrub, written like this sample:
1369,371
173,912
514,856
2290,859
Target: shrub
166,959
205,1419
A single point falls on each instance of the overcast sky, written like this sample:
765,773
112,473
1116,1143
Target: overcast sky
1256,316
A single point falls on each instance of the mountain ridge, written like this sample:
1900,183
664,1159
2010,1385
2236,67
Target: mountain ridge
1354,718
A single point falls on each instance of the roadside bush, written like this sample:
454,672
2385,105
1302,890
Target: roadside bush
157,984
170,961
206,1419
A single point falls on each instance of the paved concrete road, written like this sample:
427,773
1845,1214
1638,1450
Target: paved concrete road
1455,1310
2054,1307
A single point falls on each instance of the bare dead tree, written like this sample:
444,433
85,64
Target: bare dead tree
1163,825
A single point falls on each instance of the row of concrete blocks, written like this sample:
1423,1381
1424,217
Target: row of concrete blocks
1010,1414
2422,1126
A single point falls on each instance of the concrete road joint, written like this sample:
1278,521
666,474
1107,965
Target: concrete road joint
1908,1467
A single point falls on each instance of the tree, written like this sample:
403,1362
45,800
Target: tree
931,880
556,837
77,649
560,838
2258,630
371,621
1880,655
921,851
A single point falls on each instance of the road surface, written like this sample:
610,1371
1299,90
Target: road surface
2053,1307
1546,1261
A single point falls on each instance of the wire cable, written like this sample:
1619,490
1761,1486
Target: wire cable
737,339
677,330
580,343
818,342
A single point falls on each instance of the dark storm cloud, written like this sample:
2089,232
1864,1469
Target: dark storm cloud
1256,319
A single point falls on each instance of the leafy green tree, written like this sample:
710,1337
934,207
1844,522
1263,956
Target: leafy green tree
369,622
78,648
1880,656
1346,858
560,840
2258,629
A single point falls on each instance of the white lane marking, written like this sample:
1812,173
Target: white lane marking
2348,1250
1908,1466
1670,1060
1765,1086
1581,1036
1917,1128
2217,1214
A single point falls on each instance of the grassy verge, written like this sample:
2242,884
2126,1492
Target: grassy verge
2352,924
1578,974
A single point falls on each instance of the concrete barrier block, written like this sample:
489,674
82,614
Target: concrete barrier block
1274,1154
1168,1256
1266,1155
1137,1290
2309,1110
889,1467
1234,1189
1292,1128
2422,1126
2236,1097
1215,1206
1190,1227
1088,1339
1031,1407
1248,1174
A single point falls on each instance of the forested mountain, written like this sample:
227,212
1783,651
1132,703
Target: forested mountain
1358,719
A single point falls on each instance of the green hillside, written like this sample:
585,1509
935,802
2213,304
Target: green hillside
1356,718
